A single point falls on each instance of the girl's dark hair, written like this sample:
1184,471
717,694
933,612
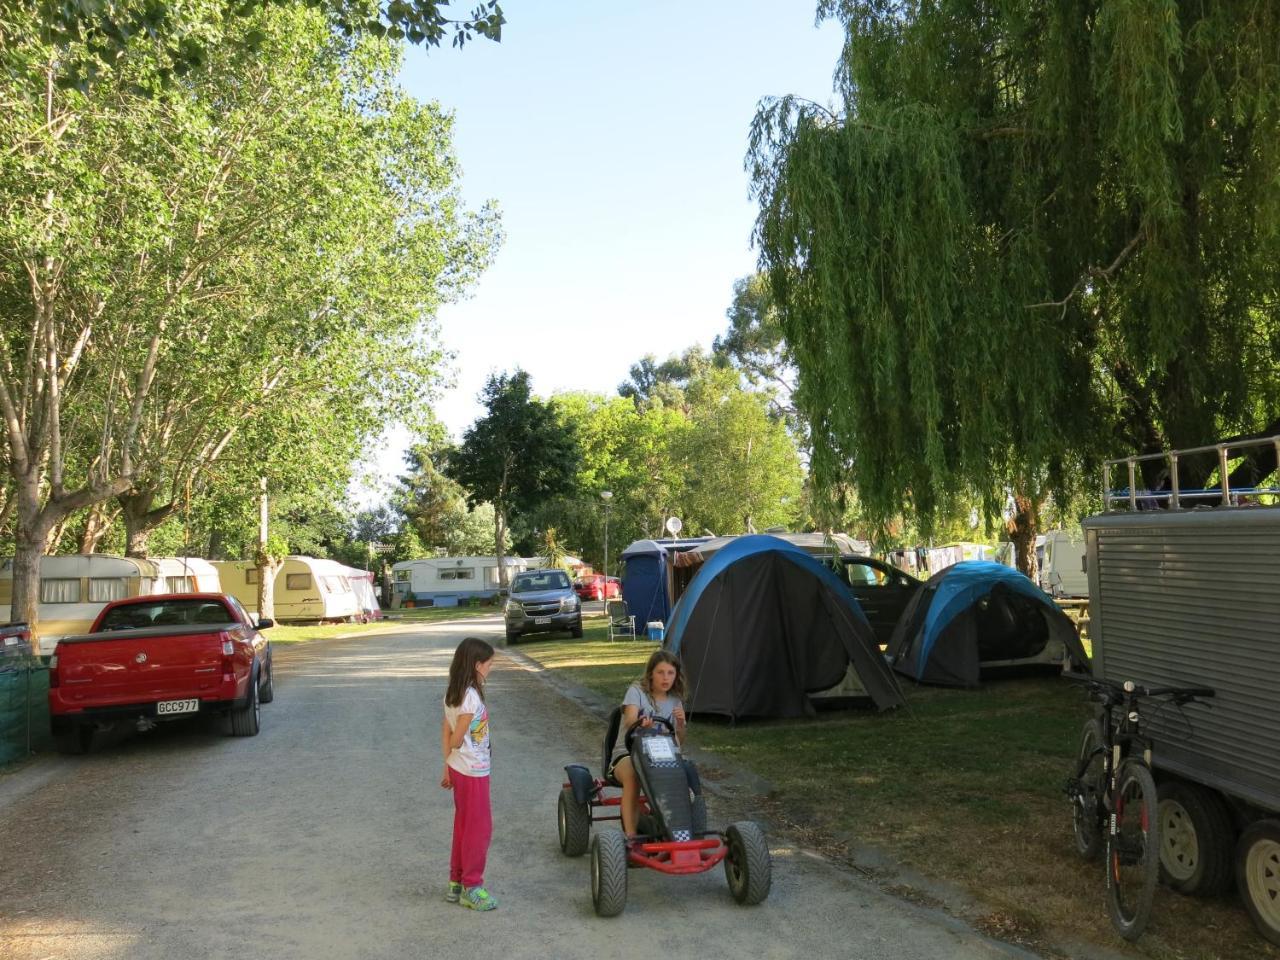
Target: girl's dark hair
664,656
462,672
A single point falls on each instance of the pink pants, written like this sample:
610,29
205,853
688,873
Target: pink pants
472,828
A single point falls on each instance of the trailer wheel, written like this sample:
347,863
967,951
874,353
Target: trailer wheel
1258,876
246,719
573,821
608,873
1195,839
748,866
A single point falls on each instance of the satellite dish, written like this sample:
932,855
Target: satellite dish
674,525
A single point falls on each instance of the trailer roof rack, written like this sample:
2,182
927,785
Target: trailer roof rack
1131,497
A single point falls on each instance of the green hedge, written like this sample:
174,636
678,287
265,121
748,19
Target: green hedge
24,708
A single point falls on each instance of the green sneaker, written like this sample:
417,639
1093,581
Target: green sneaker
454,894
477,898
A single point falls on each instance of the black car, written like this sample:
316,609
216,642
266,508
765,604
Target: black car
882,590
541,601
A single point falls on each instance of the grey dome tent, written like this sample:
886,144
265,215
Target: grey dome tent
764,628
977,615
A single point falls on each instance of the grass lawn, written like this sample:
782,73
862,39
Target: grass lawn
395,620
963,786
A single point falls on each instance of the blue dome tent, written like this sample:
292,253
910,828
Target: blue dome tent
977,615
764,627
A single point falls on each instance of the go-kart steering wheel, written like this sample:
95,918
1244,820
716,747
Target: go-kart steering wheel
653,718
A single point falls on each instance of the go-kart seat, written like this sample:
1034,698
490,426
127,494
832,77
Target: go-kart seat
610,738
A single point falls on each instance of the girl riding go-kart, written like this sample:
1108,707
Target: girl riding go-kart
661,806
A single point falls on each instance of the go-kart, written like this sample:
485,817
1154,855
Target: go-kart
673,837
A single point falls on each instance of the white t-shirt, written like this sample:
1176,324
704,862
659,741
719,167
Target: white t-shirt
472,757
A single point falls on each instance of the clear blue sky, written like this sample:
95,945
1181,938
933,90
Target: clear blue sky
612,136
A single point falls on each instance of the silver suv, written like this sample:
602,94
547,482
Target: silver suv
541,601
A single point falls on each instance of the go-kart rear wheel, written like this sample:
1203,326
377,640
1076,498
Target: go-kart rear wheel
698,815
608,873
748,866
574,822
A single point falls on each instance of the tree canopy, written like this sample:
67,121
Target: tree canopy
515,456
235,274
1028,234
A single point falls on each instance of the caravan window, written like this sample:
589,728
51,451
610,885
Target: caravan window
297,581
59,591
251,575
491,576
179,584
466,573
106,589
403,575
448,574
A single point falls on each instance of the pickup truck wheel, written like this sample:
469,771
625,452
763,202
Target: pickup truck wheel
246,718
74,740
267,690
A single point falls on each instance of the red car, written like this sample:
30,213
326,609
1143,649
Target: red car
593,587
155,658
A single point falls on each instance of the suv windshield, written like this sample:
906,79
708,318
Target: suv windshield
547,580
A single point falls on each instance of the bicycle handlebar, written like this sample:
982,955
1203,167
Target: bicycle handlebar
1120,691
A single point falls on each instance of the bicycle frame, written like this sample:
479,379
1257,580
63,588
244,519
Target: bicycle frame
1104,808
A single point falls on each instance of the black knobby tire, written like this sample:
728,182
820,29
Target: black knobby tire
246,719
748,866
608,873
1086,814
1133,850
1258,876
576,631
267,689
512,638
698,815
573,821
74,740
1197,839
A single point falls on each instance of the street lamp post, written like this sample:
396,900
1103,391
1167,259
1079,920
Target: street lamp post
606,496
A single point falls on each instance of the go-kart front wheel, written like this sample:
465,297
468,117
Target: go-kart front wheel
574,822
748,866
608,873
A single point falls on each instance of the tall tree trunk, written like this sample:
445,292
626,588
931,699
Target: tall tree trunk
32,524
499,535
96,524
1022,527
140,519
268,567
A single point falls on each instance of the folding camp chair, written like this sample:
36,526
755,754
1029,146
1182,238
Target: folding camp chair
621,621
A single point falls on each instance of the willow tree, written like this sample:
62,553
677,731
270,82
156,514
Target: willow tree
1028,233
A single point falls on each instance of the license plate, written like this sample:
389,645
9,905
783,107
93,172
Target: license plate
166,708
539,621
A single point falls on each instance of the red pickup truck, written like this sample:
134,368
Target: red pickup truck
164,657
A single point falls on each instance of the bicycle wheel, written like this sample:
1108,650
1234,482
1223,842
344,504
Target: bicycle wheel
1086,808
1133,850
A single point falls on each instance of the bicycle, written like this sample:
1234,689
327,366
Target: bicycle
1113,797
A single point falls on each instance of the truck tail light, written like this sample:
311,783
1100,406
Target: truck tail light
53,670
228,648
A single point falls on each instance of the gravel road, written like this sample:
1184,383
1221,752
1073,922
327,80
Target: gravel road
327,836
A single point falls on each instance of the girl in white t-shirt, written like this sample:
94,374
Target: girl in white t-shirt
464,740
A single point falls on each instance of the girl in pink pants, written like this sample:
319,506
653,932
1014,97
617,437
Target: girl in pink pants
464,740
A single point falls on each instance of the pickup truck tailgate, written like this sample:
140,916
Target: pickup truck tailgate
137,666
